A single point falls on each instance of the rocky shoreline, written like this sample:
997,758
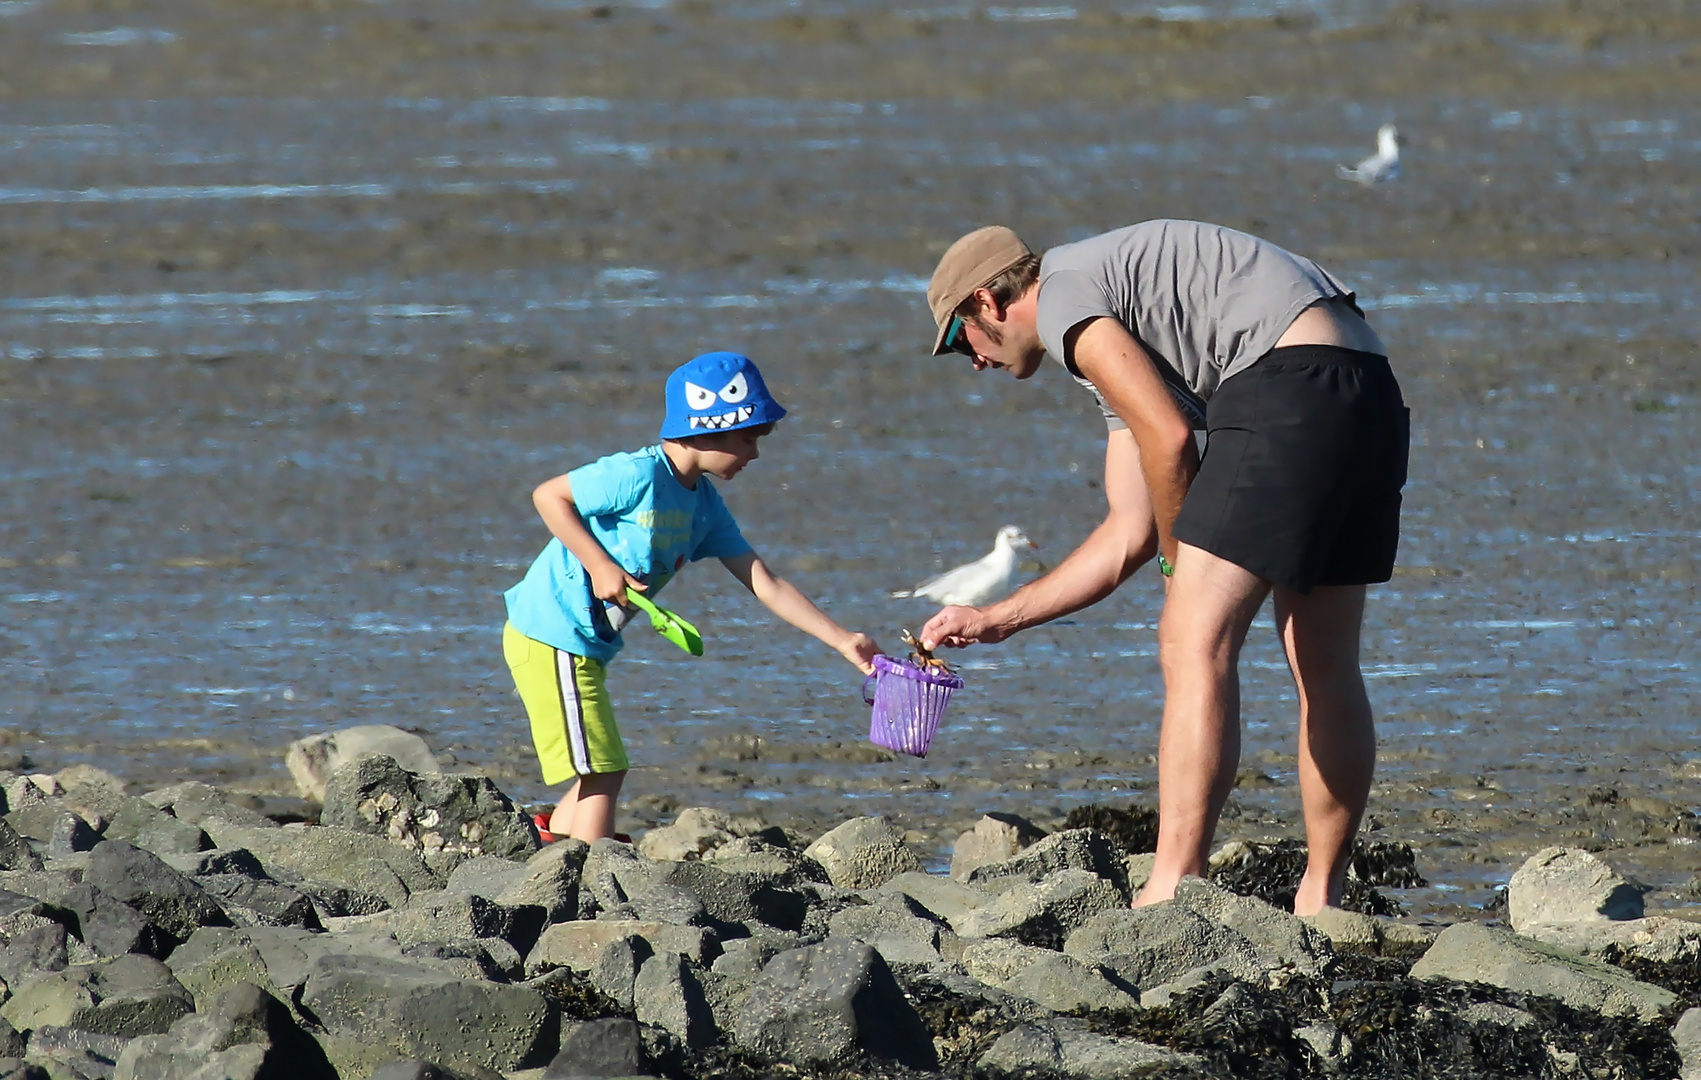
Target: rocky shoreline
418,929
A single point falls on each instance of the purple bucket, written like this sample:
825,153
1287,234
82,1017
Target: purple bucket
908,701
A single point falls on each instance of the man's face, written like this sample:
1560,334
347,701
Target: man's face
994,341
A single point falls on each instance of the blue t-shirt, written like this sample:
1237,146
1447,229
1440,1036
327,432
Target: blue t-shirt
650,524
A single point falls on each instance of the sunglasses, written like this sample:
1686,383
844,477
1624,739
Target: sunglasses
956,340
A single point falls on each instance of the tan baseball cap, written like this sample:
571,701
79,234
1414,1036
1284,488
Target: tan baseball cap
966,265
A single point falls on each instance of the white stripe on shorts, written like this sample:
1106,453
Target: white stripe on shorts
572,712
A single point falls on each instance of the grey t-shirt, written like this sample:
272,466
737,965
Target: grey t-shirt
1205,301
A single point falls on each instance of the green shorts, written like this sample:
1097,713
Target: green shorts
566,697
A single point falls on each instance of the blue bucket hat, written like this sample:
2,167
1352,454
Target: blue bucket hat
718,391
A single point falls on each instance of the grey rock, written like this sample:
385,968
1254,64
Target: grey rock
446,817
817,1003
215,861
577,944
71,834
1657,939
662,902
900,929
617,967
1326,1041
165,897
1467,952
129,995
863,852
410,1070
113,928
213,959
31,943
761,886
17,1069
995,838
11,1043
1563,885
422,1012
1045,913
696,831
312,761
743,958
1281,939
1054,980
668,994
1073,849
1686,1033
1061,1047
93,1053
598,1050
91,790
279,958
256,902
1368,935
614,872
15,852
329,857
949,900
1150,946
196,803
146,826
246,1034
442,916
550,881
1495,1015
466,958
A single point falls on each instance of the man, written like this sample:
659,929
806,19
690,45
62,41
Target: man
1177,324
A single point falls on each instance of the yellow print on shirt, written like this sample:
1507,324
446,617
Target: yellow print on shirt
668,527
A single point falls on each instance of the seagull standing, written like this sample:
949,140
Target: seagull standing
980,582
1380,167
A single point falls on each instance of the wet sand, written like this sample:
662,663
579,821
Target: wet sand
300,303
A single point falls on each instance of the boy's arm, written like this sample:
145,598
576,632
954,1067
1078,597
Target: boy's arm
783,599
554,502
1121,544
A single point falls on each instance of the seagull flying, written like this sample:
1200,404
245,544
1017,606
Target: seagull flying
1380,167
980,582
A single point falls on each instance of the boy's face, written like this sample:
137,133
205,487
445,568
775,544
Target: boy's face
726,453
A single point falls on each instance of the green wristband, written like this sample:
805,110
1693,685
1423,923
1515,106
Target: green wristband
1165,567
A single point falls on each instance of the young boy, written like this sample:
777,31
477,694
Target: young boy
633,520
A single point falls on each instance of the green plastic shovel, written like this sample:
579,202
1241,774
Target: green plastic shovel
667,624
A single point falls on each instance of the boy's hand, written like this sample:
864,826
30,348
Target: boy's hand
860,650
955,627
610,583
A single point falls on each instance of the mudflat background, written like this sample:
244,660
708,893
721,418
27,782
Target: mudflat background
299,300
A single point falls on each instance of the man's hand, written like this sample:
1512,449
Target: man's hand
610,581
957,626
860,650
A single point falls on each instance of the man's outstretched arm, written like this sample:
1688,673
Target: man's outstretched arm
1125,540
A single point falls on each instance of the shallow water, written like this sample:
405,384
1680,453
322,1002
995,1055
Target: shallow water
299,305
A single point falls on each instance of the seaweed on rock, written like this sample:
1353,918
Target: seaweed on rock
1134,829
1272,872
1239,1030
1426,1030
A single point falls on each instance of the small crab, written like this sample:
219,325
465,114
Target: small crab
920,657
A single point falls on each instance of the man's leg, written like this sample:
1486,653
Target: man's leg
1337,736
1211,604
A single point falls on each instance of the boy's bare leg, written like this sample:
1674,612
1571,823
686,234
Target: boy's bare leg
1211,604
561,820
593,811
1337,735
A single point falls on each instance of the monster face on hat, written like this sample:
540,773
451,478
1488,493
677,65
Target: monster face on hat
718,391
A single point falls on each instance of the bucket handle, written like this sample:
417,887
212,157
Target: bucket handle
868,687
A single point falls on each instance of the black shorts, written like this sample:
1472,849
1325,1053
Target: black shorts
1304,461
